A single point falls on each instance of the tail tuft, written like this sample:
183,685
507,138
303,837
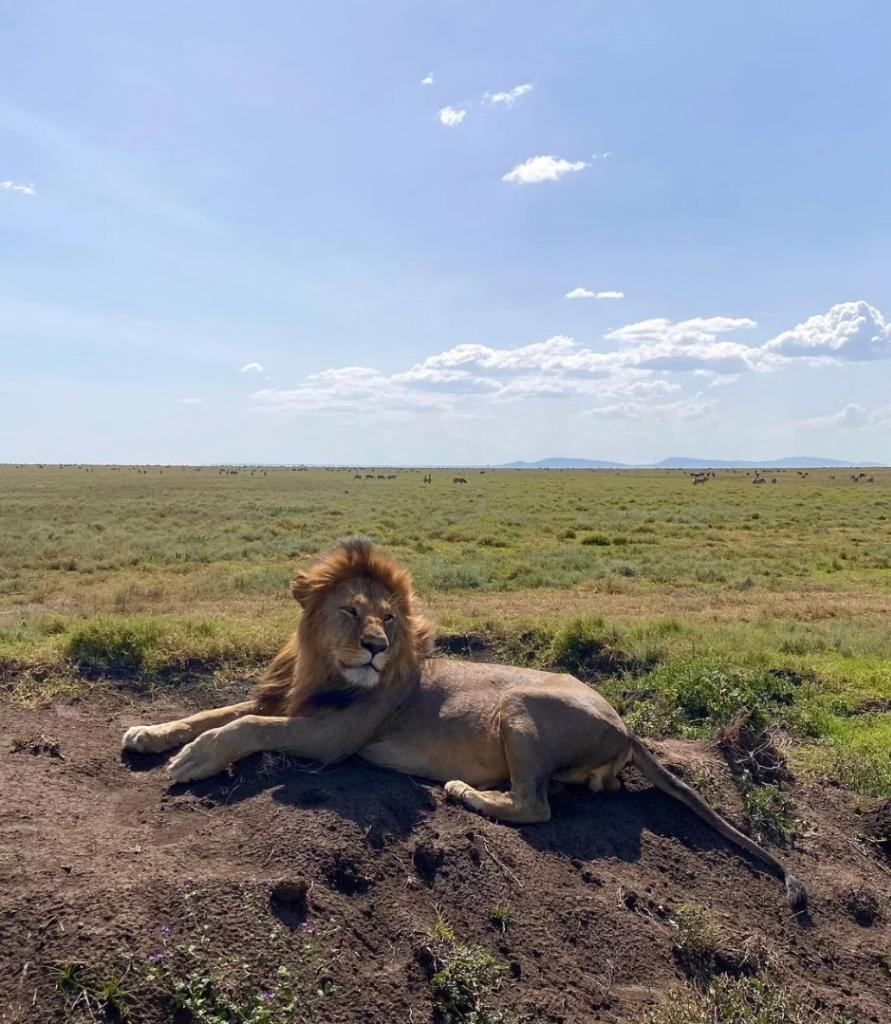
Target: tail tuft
796,893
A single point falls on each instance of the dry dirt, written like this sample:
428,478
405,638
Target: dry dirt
100,860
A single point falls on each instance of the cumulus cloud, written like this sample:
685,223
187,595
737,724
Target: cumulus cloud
451,117
854,416
542,168
850,330
682,411
610,295
644,375
17,186
252,368
428,79
510,97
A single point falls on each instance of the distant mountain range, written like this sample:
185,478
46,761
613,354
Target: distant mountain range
680,462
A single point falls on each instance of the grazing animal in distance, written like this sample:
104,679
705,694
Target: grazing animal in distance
459,480
356,678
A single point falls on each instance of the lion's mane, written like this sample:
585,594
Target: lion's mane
301,670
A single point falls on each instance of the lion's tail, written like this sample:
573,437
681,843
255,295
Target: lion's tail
643,760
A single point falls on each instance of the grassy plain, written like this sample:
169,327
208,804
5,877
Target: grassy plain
685,602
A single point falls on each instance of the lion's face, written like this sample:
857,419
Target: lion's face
361,626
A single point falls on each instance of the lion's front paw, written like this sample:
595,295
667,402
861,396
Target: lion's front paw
455,791
150,739
198,760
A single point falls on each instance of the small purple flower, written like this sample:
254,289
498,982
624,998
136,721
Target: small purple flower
156,958
267,997
307,929
166,929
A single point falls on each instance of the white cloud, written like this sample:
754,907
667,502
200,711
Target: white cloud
510,97
584,293
451,117
850,330
191,401
682,411
854,416
252,368
16,186
542,168
650,362
428,80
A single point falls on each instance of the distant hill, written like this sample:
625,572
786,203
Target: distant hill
681,462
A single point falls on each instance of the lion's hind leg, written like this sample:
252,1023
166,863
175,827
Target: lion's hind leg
521,804
526,802
605,778
153,739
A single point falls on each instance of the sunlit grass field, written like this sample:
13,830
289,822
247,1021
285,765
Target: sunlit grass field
684,602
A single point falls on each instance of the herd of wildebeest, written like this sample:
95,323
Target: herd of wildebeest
699,476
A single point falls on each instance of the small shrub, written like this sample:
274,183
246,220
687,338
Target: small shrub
587,646
599,540
468,975
111,648
769,815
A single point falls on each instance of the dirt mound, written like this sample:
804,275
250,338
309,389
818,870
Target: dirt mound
359,895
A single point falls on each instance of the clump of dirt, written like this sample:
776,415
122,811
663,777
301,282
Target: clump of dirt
750,750
346,891
428,858
864,907
345,874
37,743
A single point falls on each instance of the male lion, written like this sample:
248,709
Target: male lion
356,679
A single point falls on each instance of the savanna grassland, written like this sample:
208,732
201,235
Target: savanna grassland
743,629
715,594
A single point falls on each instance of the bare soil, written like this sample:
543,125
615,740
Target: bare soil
101,859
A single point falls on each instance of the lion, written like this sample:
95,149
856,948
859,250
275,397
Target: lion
357,678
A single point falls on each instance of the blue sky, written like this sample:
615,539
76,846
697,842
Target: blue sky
189,190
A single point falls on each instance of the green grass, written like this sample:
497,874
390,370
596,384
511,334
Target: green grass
735,1001
683,604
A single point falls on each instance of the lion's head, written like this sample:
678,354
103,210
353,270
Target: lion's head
360,629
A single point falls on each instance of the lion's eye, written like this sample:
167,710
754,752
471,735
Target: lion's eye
389,618
349,610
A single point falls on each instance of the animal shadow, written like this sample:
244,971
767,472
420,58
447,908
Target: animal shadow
384,804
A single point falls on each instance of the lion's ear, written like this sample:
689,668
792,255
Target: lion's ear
301,588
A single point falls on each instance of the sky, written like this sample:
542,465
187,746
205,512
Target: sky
444,231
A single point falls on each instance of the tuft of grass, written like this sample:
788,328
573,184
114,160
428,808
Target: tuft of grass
500,917
734,1001
585,647
462,985
769,815
106,994
442,931
698,941
112,647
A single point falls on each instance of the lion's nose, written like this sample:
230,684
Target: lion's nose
375,645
